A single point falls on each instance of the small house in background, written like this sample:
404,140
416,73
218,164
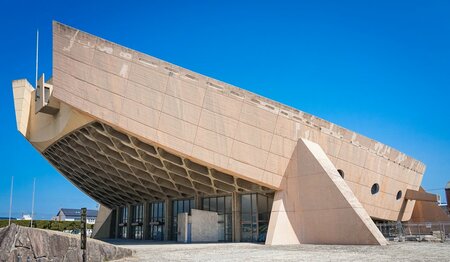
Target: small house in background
71,214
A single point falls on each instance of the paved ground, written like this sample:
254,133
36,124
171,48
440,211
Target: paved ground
406,251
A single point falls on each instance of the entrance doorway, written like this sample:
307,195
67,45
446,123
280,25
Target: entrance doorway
137,219
123,222
156,221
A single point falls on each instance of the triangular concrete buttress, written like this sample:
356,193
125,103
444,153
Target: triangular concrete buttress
316,206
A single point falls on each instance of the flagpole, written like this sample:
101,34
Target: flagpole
32,202
10,200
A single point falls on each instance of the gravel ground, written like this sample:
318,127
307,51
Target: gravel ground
405,251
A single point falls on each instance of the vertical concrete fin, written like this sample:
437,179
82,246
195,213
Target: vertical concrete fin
316,206
22,92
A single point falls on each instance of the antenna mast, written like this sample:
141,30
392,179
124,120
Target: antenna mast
37,57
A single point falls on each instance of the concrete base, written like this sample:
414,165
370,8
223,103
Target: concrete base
315,205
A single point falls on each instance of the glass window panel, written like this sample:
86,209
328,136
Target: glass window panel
228,226
180,206
262,203
246,204
262,228
213,204
246,232
263,217
124,216
221,232
174,207
221,205
206,204
246,218
254,206
269,204
228,204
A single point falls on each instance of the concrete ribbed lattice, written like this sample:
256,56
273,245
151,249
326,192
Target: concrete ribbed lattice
117,169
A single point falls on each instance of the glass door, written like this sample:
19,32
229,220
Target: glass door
137,219
123,222
157,221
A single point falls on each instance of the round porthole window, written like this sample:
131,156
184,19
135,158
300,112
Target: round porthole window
341,173
399,195
375,188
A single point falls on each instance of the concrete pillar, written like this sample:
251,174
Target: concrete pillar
168,219
198,202
236,214
129,217
145,220
116,233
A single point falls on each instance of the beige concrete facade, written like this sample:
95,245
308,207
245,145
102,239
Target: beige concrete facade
164,131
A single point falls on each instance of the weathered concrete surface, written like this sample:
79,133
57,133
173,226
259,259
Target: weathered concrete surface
214,124
204,226
47,245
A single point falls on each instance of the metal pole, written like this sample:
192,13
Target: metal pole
10,200
32,202
37,57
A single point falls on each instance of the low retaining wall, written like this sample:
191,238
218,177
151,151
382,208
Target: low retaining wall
46,245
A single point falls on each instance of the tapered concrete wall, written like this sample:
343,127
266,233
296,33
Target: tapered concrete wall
102,226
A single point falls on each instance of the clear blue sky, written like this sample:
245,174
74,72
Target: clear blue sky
381,69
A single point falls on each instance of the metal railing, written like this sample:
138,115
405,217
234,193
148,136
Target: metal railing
425,231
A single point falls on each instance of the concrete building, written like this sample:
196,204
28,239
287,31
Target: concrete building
152,142
71,214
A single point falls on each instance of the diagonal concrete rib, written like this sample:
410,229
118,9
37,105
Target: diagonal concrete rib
316,206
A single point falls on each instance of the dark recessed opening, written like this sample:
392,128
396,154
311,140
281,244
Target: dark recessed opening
341,173
375,188
399,195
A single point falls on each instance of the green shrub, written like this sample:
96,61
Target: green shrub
47,224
